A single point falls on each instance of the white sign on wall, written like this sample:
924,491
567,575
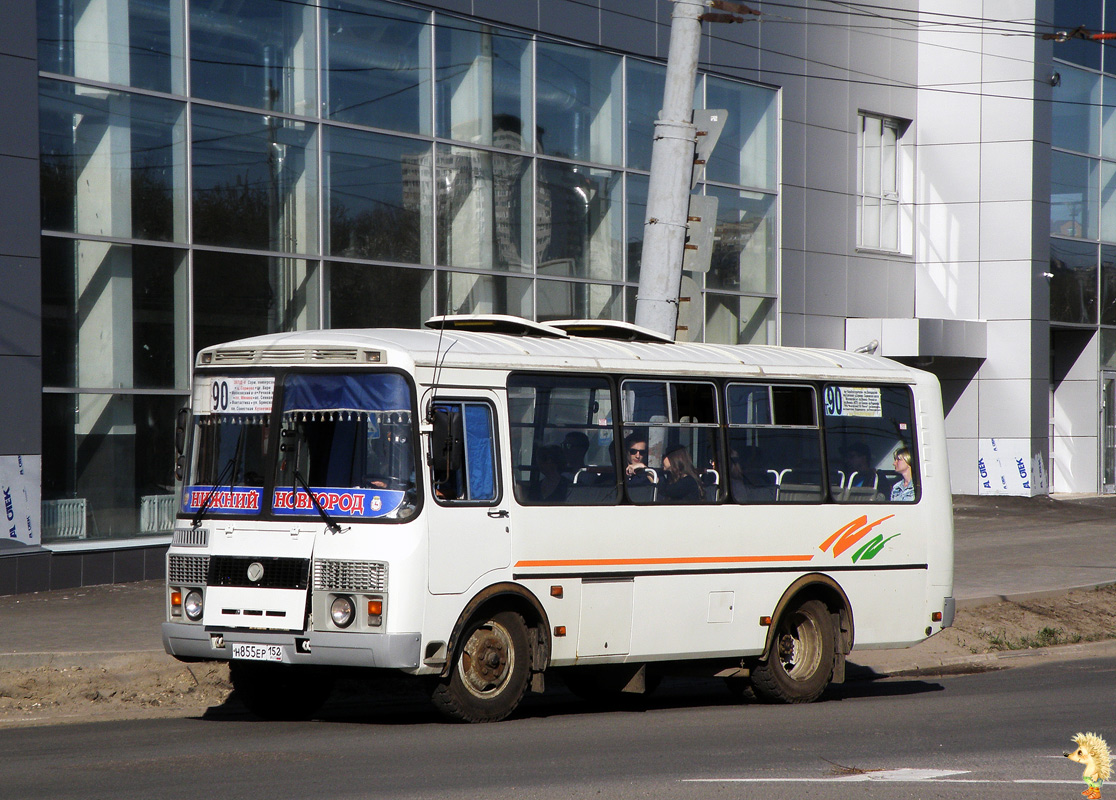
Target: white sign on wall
19,498
1006,466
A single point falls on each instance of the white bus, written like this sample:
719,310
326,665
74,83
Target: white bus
493,499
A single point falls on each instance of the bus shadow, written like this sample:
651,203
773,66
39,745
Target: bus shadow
403,703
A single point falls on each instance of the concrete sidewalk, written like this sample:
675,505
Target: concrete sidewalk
1006,547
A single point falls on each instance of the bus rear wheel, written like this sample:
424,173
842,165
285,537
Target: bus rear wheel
491,672
799,665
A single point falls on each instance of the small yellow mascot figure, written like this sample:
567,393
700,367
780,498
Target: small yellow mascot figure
1093,753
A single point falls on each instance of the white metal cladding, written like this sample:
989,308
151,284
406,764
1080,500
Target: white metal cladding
464,349
350,576
189,570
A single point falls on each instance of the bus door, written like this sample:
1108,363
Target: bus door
469,520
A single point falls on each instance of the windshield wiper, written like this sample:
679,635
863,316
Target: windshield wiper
326,518
222,479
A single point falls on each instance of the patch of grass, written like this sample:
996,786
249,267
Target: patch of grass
1046,637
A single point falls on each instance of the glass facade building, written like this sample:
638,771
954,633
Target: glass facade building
211,171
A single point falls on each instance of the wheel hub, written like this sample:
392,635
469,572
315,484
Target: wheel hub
486,660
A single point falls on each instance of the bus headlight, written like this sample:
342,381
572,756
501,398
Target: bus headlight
342,611
192,605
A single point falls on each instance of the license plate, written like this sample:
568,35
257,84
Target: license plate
258,652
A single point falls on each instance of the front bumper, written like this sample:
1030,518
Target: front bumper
377,650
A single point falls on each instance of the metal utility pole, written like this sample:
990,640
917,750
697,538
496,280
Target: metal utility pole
672,166
672,162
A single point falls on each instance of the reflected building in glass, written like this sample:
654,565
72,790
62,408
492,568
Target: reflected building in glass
185,172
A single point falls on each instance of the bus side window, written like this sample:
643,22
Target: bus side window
463,454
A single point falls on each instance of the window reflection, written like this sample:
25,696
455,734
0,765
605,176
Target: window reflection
1076,111
256,53
376,204
255,181
484,207
1073,192
464,293
745,152
239,295
645,98
567,300
126,42
369,296
113,315
376,65
484,86
579,110
578,224
1073,287
745,247
111,163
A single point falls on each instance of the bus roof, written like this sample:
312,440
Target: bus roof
462,348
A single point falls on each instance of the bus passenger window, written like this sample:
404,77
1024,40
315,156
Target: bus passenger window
870,444
466,471
562,445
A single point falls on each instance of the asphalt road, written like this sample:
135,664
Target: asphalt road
966,737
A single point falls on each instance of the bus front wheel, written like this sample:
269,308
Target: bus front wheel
799,664
491,672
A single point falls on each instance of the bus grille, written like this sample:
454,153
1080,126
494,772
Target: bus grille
278,573
350,576
187,570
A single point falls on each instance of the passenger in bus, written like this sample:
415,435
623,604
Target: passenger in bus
681,483
550,486
858,465
903,491
636,471
575,446
749,481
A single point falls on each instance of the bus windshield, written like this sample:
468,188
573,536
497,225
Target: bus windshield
348,438
345,437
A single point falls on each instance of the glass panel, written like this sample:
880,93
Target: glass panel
240,295
111,164
484,209
127,42
870,140
1108,117
1108,201
1073,287
475,479
869,436
579,222
464,293
256,53
114,316
869,227
375,201
1068,15
377,65
350,439
579,110
565,300
561,440
747,152
889,225
733,319
637,218
255,181
371,296
745,244
483,91
114,454
1076,111
645,97
1107,348
774,446
1073,192
1108,285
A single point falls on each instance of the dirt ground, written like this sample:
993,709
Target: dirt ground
153,685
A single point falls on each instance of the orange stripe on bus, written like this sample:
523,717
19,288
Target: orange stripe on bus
625,562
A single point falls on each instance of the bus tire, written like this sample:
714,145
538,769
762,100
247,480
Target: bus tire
799,664
279,692
491,671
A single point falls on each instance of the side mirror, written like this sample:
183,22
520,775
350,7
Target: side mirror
447,440
181,425
180,468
